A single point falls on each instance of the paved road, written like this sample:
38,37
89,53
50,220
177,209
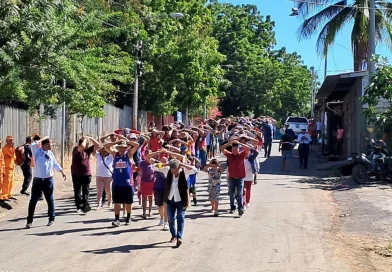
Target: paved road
284,230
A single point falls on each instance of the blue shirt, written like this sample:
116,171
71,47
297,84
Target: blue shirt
267,132
44,161
122,170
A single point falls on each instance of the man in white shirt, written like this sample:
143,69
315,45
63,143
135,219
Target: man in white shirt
304,140
319,127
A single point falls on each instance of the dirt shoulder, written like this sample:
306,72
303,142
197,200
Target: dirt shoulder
360,227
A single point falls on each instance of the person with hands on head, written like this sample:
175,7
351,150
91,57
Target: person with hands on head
81,172
214,170
236,172
9,173
113,137
43,182
176,196
123,183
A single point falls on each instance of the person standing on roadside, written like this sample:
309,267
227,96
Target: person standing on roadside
236,173
26,166
81,172
304,140
286,145
9,159
2,168
45,162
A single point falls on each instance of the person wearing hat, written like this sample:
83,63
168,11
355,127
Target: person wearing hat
304,141
123,182
9,159
176,196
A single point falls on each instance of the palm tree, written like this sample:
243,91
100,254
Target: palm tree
334,16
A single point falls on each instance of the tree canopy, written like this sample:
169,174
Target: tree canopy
91,45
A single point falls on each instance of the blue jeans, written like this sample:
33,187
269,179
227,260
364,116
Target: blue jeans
203,158
41,186
172,207
236,184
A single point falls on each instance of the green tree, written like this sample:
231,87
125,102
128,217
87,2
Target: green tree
44,42
333,16
378,97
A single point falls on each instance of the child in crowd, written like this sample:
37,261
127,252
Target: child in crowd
193,178
248,182
214,171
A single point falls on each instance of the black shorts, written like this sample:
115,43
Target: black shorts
122,194
158,195
209,149
192,189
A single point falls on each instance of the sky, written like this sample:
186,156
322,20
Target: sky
340,57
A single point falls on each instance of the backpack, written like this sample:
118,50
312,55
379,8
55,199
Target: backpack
20,155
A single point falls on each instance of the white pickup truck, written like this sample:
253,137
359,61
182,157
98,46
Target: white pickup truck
297,123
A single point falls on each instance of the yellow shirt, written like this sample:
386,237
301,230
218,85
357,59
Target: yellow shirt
9,156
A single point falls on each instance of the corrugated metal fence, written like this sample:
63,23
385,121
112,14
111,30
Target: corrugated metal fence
13,122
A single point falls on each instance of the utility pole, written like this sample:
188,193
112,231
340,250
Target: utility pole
138,73
312,90
372,36
63,126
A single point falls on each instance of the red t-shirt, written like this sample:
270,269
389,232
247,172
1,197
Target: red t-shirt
81,162
155,144
236,166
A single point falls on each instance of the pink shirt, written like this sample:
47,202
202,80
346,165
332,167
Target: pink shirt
340,133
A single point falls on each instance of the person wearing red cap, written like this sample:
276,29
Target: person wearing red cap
9,159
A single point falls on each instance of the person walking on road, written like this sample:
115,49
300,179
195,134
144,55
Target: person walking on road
286,145
267,133
236,173
304,140
214,171
45,162
9,159
176,196
248,182
27,166
81,172
123,184
104,172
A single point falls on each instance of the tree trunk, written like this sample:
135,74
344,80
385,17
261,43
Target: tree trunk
360,52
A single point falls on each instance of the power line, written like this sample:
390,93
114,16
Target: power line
334,5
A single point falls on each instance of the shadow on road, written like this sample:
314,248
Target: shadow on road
126,249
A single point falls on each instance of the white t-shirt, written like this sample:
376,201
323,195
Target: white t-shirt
248,171
102,170
174,192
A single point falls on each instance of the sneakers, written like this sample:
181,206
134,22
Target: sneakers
247,206
51,223
241,212
116,223
194,201
232,211
166,226
216,213
161,223
127,223
29,225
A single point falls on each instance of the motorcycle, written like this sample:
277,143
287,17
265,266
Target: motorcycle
372,164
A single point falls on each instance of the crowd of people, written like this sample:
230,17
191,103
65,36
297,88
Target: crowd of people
160,165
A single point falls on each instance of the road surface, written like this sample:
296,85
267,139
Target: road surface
285,229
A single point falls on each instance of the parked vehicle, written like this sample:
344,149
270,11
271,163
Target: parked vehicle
371,164
297,123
